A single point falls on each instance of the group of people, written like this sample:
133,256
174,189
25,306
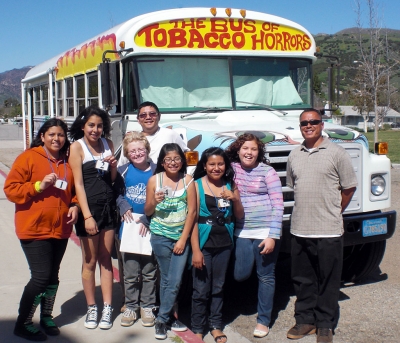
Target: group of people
231,207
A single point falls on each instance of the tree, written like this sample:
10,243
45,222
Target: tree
362,95
377,60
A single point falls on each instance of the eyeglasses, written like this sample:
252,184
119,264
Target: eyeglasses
311,122
145,114
169,160
136,152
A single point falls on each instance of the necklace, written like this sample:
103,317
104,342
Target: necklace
221,209
176,187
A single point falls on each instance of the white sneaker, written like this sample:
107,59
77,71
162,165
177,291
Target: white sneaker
91,317
129,317
106,320
147,316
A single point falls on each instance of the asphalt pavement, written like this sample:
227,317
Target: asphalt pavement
70,306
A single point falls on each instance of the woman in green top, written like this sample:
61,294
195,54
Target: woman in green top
171,203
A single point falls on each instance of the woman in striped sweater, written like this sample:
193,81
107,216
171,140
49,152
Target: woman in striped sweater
257,235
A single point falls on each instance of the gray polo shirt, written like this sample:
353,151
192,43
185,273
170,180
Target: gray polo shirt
317,178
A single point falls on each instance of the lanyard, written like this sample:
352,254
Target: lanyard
51,166
101,172
221,209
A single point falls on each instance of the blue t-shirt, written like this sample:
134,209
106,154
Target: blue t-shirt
135,184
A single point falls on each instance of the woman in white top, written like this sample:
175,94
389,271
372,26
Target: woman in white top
95,168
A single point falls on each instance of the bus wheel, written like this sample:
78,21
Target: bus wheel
361,260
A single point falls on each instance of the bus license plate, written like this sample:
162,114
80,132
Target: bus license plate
374,227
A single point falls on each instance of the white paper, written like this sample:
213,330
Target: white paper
132,242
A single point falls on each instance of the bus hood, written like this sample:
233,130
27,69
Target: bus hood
271,128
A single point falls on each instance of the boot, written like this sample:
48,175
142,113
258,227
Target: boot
26,329
46,310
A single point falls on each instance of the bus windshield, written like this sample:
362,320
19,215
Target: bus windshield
190,83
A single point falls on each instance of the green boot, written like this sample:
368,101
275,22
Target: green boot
46,310
27,330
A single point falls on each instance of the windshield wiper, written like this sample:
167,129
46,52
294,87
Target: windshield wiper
263,106
205,110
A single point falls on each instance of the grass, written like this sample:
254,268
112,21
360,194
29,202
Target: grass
392,137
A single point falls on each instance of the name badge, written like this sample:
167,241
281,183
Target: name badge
102,165
223,203
61,184
167,191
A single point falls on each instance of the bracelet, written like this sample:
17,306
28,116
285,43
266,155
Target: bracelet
37,187
88,217
75,204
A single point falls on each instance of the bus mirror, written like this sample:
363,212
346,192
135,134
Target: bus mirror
109,85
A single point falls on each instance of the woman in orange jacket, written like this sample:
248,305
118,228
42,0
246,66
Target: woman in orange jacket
41,185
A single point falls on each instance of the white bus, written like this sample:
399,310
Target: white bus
215,73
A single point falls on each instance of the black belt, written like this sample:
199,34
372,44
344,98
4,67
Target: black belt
212,221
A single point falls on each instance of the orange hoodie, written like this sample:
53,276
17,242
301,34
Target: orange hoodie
39,215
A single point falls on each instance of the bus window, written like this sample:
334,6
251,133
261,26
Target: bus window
93,95
69,97
60,97
174,82
80,93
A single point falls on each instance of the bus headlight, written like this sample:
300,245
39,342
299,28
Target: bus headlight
378,185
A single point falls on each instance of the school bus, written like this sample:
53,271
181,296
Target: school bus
216,73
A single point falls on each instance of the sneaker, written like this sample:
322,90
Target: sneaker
129,317
106,320
178,326
300,330
161,331
324,335
29,332
147,316
91,317
47,323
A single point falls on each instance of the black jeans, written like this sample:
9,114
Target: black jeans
316,275
208,286
44,258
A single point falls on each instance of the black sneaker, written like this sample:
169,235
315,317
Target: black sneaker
178,326
29,332
47,323
161,331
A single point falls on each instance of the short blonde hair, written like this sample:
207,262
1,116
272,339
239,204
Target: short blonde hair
134,136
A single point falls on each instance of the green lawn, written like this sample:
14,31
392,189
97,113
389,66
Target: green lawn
392,137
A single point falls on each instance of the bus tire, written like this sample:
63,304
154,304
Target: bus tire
361,260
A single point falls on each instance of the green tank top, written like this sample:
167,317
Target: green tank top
169,216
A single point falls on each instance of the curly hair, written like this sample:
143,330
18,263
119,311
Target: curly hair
37,141
233,150
134,136
199,172
75,131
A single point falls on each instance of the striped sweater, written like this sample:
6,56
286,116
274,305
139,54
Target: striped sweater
261,195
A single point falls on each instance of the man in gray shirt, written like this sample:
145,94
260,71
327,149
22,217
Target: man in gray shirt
324,181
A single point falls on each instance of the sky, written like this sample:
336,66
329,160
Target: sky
32,32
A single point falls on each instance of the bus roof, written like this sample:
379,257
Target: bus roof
186,31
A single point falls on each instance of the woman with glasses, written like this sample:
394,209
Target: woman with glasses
171,203
258,234
218,201
139,270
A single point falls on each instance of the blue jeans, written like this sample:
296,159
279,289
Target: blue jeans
171,269
208,283
246,253
139,280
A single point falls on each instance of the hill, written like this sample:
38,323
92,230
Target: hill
10,84
344,44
